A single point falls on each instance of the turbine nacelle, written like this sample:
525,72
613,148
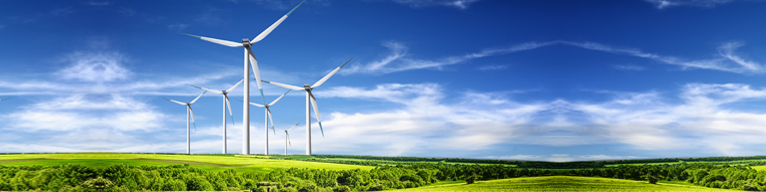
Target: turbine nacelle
307,87
246,42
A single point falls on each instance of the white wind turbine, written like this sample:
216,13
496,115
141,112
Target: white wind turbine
310,100
268,118
188,113
249,58
226,103
287,136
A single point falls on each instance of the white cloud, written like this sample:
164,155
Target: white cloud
426,123
95,67
629,67
461,4
700,121
661,4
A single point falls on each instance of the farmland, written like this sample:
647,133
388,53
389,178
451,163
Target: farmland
562,183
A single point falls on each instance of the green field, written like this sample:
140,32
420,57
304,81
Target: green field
260,164
563,183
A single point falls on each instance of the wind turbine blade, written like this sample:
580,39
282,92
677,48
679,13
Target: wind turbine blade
206,89
273,26
5,99
278,98
174,101
316,113
318,83
288,139
195,99
256,104
293,87
251,103
291,128
235,86
254,65
228,103
217,41
191,112
271,119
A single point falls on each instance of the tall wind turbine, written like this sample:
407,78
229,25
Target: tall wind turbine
268,118
226,103
249,58
287,136
188,113
310,100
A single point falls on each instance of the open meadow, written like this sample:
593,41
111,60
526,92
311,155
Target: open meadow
259,164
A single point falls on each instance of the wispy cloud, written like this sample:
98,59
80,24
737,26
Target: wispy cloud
399,60
62,11
629,67
662,4
727,60
492,67
178,27
461,4
95,67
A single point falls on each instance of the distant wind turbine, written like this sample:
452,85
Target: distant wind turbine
188,114
287,136
310,100
249,58
268,118
226,103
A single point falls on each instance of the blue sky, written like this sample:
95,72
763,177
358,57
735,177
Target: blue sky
522,80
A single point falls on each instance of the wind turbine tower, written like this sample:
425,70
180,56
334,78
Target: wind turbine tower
226,103
268,118
189,113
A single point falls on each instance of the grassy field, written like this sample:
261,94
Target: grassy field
259,164
563,183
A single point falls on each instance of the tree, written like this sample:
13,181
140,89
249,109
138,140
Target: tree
651,178
472,178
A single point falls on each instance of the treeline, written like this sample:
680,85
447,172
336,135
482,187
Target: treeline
414,159
674,160
75,177
560,165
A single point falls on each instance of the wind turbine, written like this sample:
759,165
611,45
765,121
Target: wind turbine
249,58
310,100
287,136
188,113
268,118
226,103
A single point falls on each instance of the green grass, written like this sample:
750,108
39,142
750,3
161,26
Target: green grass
759,168
261,164
563,183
